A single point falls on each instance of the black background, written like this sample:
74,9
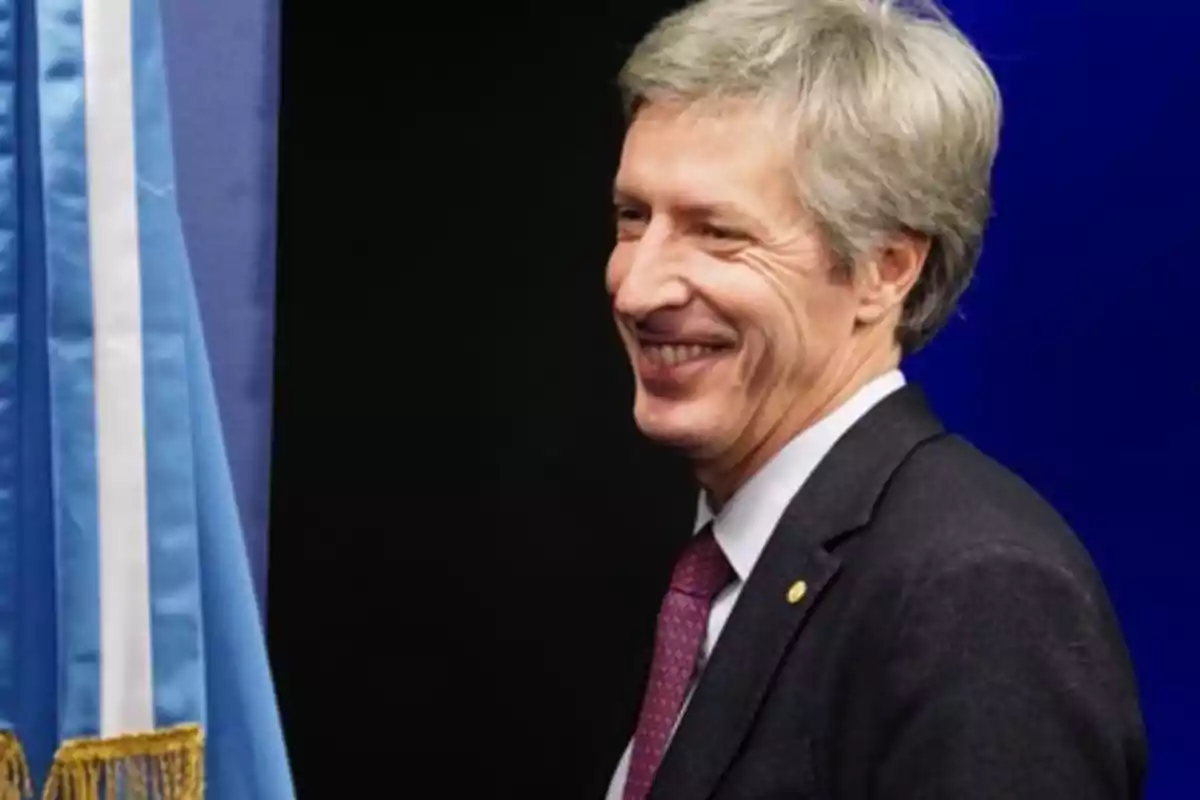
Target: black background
468,536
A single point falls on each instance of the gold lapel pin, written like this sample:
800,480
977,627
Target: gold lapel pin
797,592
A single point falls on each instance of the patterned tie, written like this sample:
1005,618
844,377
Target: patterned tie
702,571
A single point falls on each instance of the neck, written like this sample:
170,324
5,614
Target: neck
721,478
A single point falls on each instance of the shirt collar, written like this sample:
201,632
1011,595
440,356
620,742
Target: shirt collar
748,519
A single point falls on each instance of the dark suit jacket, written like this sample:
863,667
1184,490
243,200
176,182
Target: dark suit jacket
955,642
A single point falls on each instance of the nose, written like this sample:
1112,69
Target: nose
646,277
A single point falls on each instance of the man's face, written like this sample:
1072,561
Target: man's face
722,289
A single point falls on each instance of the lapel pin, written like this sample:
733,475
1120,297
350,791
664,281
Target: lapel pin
797,592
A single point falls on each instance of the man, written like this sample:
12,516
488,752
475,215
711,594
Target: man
870,608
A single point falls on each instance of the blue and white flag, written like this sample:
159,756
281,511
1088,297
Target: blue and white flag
132,657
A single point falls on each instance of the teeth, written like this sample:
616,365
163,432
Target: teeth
673,354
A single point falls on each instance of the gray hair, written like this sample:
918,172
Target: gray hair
893,114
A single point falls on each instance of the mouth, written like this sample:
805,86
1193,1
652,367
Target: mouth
673,355
667,366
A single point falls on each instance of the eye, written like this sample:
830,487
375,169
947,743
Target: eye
631,220
719,232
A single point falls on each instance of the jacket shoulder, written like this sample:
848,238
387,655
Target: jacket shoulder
949,499
985,619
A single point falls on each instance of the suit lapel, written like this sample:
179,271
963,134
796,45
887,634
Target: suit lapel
754,640
837,499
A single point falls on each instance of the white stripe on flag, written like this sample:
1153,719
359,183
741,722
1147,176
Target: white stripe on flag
126,678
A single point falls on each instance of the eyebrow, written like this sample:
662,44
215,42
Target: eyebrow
693,208
623,197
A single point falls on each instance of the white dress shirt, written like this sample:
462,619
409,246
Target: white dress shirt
744,525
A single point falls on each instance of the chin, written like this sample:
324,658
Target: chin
678,425
676,437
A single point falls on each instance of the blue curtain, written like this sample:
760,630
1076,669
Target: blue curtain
1074,359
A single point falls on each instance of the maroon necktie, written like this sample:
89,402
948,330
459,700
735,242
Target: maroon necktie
701,572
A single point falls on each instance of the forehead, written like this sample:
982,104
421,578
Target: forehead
676,156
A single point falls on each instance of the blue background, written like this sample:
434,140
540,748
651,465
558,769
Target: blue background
1075,358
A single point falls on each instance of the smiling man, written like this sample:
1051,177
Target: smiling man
870,607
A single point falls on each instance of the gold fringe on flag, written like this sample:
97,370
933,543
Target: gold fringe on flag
166,764
14,771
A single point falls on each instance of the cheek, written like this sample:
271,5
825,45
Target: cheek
804,310
778,310
771,325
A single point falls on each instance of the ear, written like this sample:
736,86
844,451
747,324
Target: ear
885,279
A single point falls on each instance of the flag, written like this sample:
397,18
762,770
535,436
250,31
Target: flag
132,657
222,60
